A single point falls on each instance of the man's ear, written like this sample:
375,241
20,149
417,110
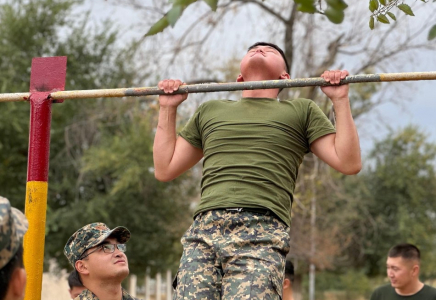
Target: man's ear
17,284
415,270
81,267
240,78
286,283
285,76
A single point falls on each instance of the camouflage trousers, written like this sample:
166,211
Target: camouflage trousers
233,255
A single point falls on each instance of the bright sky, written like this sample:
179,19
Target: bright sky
419,107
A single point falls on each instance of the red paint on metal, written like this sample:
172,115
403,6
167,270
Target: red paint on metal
39,137
47,75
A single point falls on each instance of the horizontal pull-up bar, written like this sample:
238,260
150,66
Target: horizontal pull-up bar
224,87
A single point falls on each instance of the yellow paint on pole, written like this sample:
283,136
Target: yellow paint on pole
36,207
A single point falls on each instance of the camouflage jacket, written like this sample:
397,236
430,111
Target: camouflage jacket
88,295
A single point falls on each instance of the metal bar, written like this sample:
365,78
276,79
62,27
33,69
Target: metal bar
47,75
225,87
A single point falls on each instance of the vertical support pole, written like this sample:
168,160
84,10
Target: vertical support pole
132,285
158,286
169,286
47,75
147,284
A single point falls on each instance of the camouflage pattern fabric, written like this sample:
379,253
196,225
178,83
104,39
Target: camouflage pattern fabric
88,295
232,256
13,226
90,236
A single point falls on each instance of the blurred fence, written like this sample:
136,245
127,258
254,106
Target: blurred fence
158,288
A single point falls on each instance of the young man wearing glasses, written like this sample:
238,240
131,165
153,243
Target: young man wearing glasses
97,255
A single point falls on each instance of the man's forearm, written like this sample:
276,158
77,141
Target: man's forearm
347,140
165,139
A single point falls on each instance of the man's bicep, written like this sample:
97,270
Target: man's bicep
324,149
185,157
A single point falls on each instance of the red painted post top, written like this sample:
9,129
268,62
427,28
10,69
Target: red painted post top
47,75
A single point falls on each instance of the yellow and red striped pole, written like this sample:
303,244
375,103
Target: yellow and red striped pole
47,75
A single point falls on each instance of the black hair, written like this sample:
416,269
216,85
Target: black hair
406,251
74,280
289,271
275,47
7,271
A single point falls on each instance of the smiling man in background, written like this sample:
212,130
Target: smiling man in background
403,266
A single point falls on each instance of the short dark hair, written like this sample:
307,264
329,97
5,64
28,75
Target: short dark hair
6,272
74,280
289,271
275,47
406,251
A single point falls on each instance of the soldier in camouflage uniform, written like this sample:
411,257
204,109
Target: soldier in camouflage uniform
13,226
252,149
97,255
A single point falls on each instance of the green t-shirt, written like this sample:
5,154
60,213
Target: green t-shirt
252,150
387,292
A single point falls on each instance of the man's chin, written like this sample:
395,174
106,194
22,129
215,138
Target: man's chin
122,273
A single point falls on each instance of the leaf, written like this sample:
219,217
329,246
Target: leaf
307,6
159,26
183,3
174,14
373,5
307,9
335,16
212,3
371,23
337,4
406,9
382,2
432,33
383,19
392,16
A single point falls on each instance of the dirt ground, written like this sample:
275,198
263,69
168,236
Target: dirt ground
55,287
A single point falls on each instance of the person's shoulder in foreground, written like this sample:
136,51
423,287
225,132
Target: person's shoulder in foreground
100,264
13,226
403,266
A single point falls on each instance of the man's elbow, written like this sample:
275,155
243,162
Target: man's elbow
352,169
162,176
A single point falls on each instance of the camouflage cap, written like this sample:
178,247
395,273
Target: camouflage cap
90,236
13,226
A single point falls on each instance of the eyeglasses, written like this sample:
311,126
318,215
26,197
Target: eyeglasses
107,248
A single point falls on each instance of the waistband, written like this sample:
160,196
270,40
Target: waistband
260,211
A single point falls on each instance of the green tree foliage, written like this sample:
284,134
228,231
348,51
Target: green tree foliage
397,195
334,10
100,154
118,187
33,28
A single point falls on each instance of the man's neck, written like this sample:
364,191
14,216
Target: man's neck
272,93
106,290
410,289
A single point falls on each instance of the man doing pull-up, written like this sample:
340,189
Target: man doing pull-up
252,149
